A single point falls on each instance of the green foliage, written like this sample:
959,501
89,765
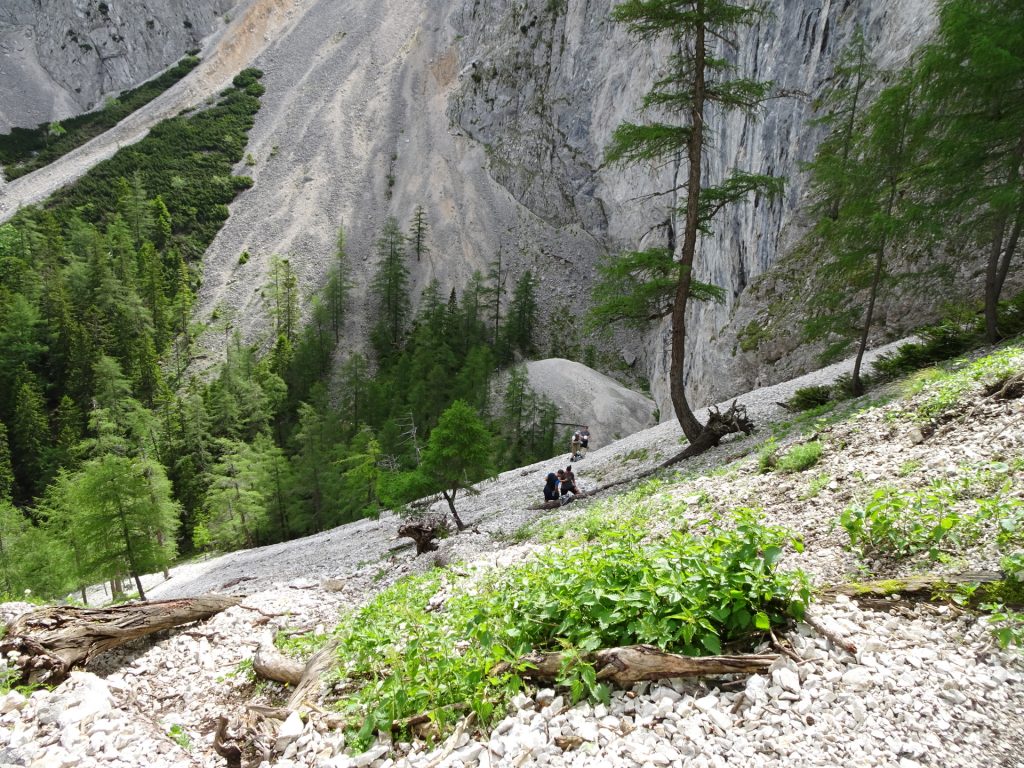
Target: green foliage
24,150
944,391
806,398
640,286
688,593
946,514
178,735
896,523
939,342
800,457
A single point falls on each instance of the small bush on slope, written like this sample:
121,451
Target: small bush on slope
689,593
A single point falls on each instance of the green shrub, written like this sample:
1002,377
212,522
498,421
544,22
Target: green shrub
768,456
24,150
896,523
687,593
800,457
806,398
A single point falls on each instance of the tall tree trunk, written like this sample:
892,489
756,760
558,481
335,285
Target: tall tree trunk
677,384
856,385
992,281
450,498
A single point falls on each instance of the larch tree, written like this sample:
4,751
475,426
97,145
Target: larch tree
122,511
973,80
864,187
697,77
458,454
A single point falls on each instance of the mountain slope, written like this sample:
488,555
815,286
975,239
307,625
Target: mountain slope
926,685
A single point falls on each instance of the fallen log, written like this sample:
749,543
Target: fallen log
51,641
638,663
976,586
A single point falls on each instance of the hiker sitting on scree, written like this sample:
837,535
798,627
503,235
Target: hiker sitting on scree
568,481
551,487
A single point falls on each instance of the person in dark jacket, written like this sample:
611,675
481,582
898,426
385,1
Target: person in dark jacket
551,487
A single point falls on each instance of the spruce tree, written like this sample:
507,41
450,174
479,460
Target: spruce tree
390,294
418,233
694,78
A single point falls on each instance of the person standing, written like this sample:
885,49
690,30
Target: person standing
584,440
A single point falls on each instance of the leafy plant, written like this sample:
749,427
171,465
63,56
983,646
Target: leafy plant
899,523
179,737
691,593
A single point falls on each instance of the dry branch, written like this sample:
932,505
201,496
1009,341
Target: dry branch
637,663
53,640
423,530
307,689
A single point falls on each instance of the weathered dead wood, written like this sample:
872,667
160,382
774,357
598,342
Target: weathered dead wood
307,689
637,663
1010,388
53,640
424,530
886,594
225,745
270,664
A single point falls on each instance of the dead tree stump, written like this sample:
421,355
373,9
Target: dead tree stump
424,530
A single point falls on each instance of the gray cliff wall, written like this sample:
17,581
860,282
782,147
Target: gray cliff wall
548,83
61,57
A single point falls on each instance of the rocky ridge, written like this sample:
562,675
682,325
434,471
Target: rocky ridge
927,686
58,59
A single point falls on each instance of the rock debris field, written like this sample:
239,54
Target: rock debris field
927,686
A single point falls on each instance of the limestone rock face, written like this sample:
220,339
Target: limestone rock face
61,57
548,83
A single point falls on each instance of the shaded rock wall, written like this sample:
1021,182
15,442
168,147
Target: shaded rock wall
60,57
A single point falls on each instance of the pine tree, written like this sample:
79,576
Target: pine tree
695,78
